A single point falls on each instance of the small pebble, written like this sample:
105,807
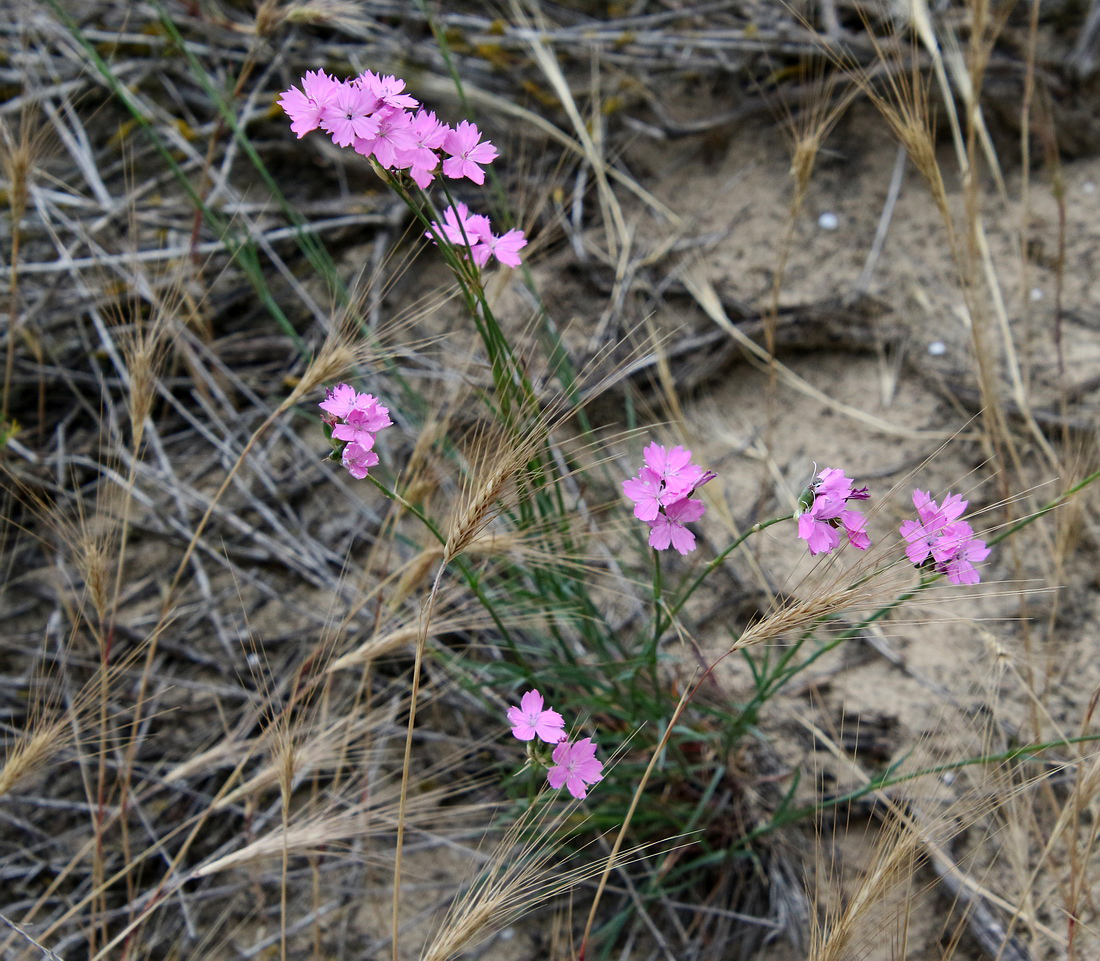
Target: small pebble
1088,187
937,348
828,221
1036,294
949,777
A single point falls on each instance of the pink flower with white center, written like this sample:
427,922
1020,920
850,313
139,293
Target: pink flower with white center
390,138
466,150
827,513
358,460
505,248
357,429
349,115
921,534
386,90
668,528
421,159
529,720
305,106
575,767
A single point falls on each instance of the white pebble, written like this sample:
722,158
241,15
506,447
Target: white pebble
948,777
937,348
828,221
1088,187
1036,294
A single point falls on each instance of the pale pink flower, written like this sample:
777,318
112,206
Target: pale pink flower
467,151
575,767
349,115
358,460
675,469
668,528
305,106
529,720
391,136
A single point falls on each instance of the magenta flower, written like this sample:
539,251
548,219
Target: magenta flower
575,767
923,533
459,226
668,528
356,429
306,106
660,495
820,523
529,720
358,460
467,151
355,418
957,551
939,537
350,115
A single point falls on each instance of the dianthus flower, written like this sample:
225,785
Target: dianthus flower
575,767
825,513
350,115
354,419
305,107
661,498
529,720
467,152
939,537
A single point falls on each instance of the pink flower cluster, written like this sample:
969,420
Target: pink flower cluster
355,419
472,232
574,763
823,517
940,535
372,115
662,496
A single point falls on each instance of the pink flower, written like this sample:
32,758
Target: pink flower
340,400
575,767
647,491
922,534
389,139
358,460
349,115
505,248
386,91
306,106
940,537
957,551
466,150
529,720
461,227
660,495
668,528
421,159
820,523
357,429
